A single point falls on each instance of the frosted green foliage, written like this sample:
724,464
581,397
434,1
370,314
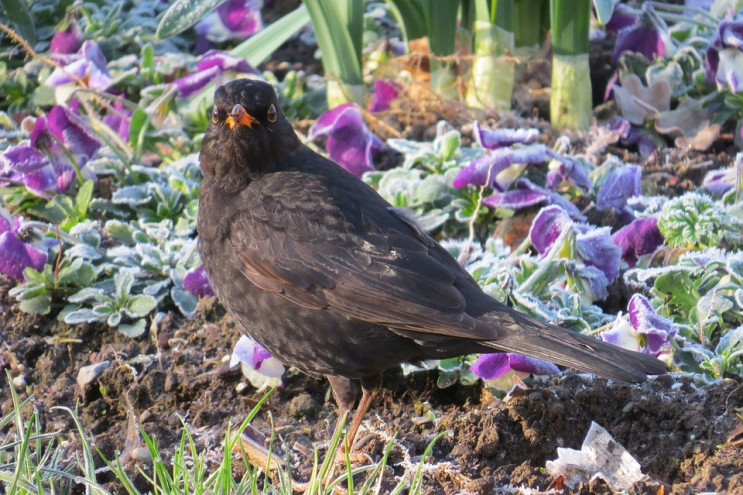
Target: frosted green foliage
693,221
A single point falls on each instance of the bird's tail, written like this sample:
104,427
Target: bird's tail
523,335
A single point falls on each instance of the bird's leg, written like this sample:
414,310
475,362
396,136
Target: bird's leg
369,390
345,392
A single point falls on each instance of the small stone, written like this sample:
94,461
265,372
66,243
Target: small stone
87,374
629,407
303,405
240,387
19,382
141,454
421,420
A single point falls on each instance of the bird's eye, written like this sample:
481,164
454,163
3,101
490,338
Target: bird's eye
215,115
271,114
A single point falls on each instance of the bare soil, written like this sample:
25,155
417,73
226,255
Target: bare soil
680,432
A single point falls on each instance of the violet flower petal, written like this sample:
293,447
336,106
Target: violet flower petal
197,282
385,90
621,334
71,72
38,181
225,61
68,40
642,37
516,199
492,139
16,255
621,184
193,83
596,248
490,366
597,289
534,366
350,143
547,227
571,171
645,319
622,17
476,173
638,238
119,120
260,354
72,131
24,159
528,194
724,58
255,356
241,17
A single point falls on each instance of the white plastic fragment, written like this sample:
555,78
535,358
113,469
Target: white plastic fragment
600,456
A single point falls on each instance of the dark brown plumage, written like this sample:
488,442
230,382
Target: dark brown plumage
325,274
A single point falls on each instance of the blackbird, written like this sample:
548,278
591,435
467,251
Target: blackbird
328,277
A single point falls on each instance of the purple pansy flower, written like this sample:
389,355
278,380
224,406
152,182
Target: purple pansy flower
593,245
526,193
67,40
16,254
197,282
88,65
724,60
719,182
350,143
568,170
214,66
639,238
262,369
499,138
618,186
233,20
623,16
495,162
119,120
42,163
492,366
385,90
502,157
643,37
646,331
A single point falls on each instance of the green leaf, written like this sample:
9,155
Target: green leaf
17,11
82,315
182,14
335,41
679,287
410,17
140,305
82,200
40,305
148,57
138,131
260,46
133,330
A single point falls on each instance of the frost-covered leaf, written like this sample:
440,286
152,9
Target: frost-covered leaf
141,305
186,302
134,329
87,294
39,305
82,315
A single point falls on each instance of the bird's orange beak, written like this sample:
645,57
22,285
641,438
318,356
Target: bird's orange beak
240,116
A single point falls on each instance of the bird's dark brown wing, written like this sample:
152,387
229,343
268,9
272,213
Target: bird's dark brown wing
352,255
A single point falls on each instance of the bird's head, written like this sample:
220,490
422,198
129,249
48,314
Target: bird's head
247,132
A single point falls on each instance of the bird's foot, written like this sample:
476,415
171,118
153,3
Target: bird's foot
250,443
